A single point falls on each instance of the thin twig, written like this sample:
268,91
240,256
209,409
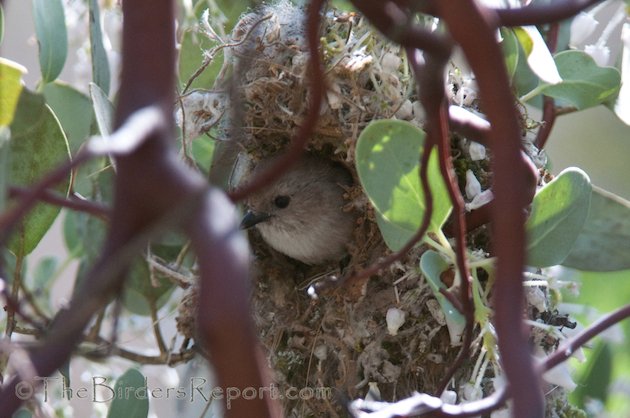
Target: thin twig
80,205
306,128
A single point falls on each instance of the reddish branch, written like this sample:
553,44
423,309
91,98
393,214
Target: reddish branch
549,104
383,17
430,79
512,175
541,13
532,14
153,188
11,218
470,126
75,203
305,130
394,21
418,405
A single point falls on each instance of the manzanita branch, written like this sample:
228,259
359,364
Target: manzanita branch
569,347
430,79
131,135
223,318
469,125
549,104
532,14
167,193
11,217
511,176
541,13
307,127
76,204
397,24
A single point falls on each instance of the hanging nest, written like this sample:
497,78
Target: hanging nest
338,347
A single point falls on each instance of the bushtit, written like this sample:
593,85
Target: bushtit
301,214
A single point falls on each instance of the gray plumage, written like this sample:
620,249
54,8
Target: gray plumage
301,214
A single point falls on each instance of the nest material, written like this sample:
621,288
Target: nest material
340,341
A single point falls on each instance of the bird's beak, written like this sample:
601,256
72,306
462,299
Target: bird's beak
252,218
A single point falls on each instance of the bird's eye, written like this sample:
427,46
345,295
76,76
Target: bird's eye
281,201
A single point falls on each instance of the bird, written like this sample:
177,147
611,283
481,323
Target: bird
301,215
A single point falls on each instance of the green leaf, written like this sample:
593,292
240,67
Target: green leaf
103,110
42,280
559,211
387,160
140,292
100,63
538,56
584,85
50,27
604,242
510,50
432,266
203,152
10,87
37,146
73,109
394,236
44,273
134,401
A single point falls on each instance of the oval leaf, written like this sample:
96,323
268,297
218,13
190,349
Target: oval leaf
73,109
584,85
103,110
50,27
387,160
539,58
559,211
37,146
11,87
432,266
130,398
140,292
509,44
604,242
100,63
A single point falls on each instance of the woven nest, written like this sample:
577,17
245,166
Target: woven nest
339,340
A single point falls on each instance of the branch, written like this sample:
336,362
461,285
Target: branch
568,348
430,79
396,23
76,203
140,126
549,104
512,175
469,125
223,319
306,129
539,14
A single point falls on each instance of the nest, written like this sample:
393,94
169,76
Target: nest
337,345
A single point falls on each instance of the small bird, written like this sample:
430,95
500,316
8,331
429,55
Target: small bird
301,215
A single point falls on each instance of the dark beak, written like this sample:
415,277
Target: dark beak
252,218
